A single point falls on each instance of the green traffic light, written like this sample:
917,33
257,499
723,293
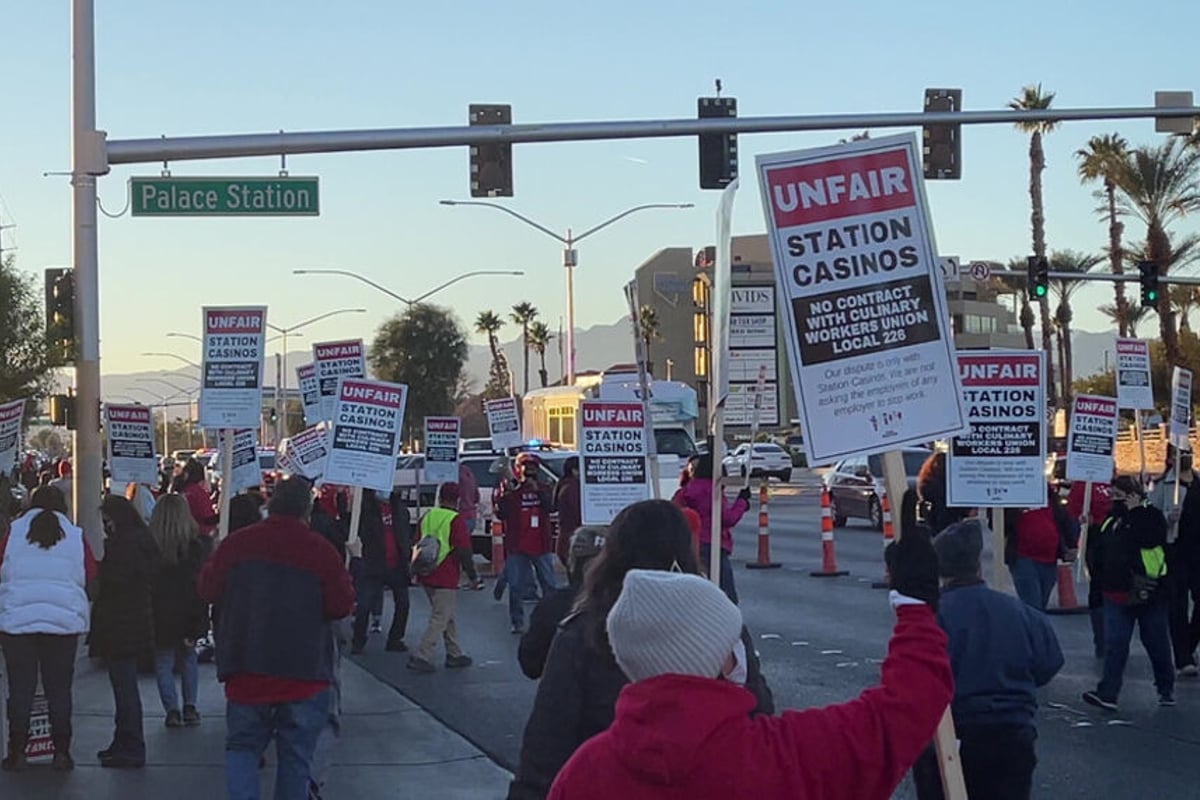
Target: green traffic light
1040,291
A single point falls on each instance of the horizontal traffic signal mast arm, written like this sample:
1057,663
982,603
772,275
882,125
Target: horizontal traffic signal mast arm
1101,277
184,148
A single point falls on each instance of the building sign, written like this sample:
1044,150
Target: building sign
1091,439
869,340
441,449
1000,461
130,434
367,421
613,453
334,360
504,424
752,347
1134,389
232,384
204,196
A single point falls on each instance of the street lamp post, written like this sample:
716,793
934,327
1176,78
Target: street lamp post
163,401
190,394
405,300
570,256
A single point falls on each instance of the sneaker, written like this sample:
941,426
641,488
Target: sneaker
1189,671
1094,699
1166,700
458,662
397,647
376,625
62,762
174,720
420,665
498,591
191,717
120,761
517,630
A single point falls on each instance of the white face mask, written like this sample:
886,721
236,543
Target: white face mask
739,674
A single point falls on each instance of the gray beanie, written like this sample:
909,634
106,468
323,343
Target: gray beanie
672,623
958,550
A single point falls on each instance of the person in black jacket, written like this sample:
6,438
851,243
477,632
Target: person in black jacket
577,696
333,529
931,487
123,623
386,535
555,606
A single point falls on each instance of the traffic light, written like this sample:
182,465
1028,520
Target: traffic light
60,312
942,144
62,410
718,151
491,164
1038,276
1148,275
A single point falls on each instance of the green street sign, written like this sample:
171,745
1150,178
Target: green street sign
278,196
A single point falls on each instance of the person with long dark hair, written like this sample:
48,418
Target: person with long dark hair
123,620
931,488
193,485
577,696
45,566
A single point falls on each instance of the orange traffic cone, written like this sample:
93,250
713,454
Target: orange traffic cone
889,535
1068,603
764,533
828,556
497,547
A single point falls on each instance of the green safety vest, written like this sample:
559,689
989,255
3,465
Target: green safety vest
1154,559
436,524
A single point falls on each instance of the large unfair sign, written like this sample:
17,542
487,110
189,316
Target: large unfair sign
366,433
231,389
1091,439
613,453
130,433
1000,460
1133,375
864,313
441,449
310,392
11,415
504,424
333,361
1181,407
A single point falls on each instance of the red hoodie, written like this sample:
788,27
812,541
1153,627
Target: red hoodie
686,738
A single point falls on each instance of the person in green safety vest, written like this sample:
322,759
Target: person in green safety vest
1130,564
444,525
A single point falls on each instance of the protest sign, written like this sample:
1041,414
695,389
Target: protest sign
11,415
367,419
130,434
232,369
39,746
246,472
503,423
1134,389
865,319
441,449
1091,438
1181,407
613,451
307,452
334,360
1000,461
310,392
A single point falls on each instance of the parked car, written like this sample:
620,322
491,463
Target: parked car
483,445
763,459
856,486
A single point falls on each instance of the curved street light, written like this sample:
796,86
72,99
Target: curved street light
175,356
405,300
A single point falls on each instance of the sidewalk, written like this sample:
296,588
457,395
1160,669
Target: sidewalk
389,748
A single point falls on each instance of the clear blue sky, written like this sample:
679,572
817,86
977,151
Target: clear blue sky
250,65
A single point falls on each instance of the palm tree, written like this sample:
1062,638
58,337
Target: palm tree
489,323
1079,263
1033,99
1184,300
539,340
1134,316
524,314
1026,316
1104,158
649,326
1158,185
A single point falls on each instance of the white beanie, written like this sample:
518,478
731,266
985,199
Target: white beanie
672,623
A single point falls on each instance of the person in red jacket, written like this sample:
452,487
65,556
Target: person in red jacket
683,730
1034,541
525,504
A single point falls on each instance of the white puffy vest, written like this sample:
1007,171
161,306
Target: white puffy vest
42,591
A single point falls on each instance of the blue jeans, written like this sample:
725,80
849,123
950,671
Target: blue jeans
517,570
295,728
127,701
164,671
1034,581
1155,633
726,578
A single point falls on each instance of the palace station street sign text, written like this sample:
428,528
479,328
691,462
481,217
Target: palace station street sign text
278,196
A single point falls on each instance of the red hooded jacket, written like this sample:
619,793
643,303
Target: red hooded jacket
686,738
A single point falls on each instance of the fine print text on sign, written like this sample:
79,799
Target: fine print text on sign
11,414
1181,407
1091,439
1134,389
335,360
130,433
866,322
504,424
246,471
276,196
231,389
366,433
441,449
613,454
310,392
999,462
308,451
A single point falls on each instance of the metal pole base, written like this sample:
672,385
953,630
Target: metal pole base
835,574
768,565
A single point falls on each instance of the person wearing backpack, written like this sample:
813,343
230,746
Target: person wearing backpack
1130,564
444,548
